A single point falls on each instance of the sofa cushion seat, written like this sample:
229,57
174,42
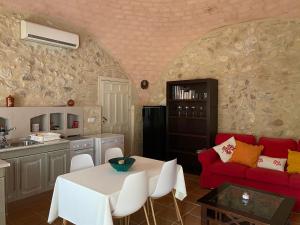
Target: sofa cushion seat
268,176
229,169
295,180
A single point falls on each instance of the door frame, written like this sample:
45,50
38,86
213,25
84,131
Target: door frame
131,124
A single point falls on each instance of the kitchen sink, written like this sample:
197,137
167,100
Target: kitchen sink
23,143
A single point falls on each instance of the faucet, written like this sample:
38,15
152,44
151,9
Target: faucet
3,133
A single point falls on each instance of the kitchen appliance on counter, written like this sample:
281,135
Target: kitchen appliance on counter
3,133
81,145
102,142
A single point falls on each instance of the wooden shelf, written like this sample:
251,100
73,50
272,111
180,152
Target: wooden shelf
182,152
188,117
188,135
187,100
197,124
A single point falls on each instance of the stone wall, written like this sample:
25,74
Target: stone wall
258,67
145,36
38,74
43,75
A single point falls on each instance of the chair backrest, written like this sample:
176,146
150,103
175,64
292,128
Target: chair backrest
133,195
113,153
82,161
166,180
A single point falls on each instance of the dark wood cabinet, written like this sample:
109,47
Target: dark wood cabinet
192,120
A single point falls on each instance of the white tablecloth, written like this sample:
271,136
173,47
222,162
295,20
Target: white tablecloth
87,197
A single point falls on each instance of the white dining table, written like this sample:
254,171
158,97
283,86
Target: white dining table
87,197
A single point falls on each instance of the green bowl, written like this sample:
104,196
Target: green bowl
128,162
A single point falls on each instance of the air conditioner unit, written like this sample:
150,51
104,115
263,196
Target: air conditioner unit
47,35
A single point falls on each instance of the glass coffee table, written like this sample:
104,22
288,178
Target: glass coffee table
233,204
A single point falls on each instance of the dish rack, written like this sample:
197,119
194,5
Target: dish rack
45,136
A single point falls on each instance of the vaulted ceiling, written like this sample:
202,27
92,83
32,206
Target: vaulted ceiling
146,35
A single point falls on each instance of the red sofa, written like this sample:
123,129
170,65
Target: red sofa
215,172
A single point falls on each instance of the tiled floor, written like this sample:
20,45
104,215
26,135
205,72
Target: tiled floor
34,210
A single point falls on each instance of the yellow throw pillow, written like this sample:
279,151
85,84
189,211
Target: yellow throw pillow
293,162
246,154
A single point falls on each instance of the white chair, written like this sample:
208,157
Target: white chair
113,153
82,161
165,184
132,197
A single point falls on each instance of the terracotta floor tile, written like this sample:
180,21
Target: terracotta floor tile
196,211
191,220
295,217
165,201
138,217
34,210
160,220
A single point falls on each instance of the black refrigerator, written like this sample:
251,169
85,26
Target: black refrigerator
154,132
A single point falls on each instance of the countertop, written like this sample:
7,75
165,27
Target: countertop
60,141
4,164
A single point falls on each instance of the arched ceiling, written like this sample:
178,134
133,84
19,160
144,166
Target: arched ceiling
146,35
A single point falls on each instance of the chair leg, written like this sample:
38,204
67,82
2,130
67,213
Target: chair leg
152,209
146,215
128,220
65,222
177,208
148,207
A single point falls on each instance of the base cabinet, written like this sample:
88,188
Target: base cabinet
57,165
2,201
11,179
32,174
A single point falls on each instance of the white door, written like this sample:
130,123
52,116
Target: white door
115,100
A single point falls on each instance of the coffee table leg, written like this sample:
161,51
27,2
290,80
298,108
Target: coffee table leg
204,215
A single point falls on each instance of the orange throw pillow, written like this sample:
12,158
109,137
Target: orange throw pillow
246,154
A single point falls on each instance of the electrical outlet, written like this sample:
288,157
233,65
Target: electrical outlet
91,120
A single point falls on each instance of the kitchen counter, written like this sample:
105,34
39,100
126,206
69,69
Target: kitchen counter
8,149
4,164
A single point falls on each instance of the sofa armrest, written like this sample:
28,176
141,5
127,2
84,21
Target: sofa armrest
207,157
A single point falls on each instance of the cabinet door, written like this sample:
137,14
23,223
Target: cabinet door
57,165
12,179
2,202
32,174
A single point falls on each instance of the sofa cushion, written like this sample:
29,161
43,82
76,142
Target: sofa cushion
293,162
277,147
246,154
229,169
221,137
295,181
268,176
271,163
225,149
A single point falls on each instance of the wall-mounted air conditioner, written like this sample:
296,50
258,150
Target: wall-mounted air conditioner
47,35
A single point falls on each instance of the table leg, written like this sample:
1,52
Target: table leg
203,215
